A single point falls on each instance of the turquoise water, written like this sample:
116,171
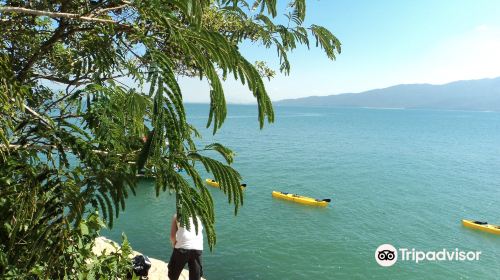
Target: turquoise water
404,177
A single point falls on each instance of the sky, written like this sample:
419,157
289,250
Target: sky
384,43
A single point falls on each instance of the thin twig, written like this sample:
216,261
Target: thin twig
58,34
105,10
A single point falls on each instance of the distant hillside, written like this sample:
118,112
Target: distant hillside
481,95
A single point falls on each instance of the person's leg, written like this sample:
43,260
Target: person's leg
177,262
194,263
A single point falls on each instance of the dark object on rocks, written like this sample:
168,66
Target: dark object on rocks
141,265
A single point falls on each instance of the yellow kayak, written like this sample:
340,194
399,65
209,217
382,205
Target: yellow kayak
215,184
484,226
301,199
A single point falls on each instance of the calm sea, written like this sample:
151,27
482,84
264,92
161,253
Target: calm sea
403,177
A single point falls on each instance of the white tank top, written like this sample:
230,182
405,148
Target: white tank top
188,239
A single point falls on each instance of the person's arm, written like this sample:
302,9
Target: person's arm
173,231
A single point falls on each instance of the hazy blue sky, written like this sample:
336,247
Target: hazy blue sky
384,43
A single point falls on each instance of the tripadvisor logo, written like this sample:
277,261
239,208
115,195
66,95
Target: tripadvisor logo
387,255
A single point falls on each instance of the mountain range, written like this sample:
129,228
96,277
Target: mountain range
477,95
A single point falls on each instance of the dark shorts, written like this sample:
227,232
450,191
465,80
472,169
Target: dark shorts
179,259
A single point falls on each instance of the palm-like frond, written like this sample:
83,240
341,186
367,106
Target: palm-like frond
82,82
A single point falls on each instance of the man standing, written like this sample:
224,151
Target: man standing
188,246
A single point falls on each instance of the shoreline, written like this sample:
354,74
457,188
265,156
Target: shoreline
158,270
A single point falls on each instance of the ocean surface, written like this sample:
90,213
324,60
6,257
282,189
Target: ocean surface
402,177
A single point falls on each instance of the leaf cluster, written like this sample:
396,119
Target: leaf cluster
89,97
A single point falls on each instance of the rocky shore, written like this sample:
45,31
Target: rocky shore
158,270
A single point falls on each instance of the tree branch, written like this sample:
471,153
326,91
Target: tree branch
58,15
53,79
43,147
105,10
75,82
35,114
58,34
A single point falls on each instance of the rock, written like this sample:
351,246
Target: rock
158,270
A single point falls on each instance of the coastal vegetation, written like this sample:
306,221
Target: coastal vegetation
89,97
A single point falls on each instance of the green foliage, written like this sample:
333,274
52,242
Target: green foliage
109,265
81,84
